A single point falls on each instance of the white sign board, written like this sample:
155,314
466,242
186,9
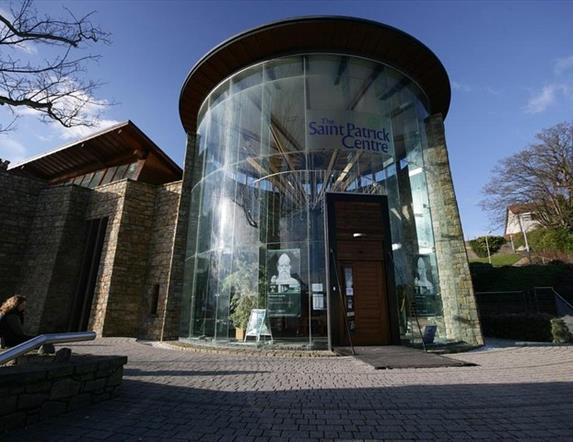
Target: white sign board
257,325
348,130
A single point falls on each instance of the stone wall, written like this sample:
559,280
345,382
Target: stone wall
460,311
52,257
179,269
136,256
106,201
37,391
18,200
130,263
44,231
161,246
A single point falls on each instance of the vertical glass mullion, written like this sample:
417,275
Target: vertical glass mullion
307,201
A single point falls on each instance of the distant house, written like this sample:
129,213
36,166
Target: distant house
520,218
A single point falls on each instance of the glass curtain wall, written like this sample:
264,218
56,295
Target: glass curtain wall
272,139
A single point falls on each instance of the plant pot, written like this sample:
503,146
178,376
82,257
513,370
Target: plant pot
239,334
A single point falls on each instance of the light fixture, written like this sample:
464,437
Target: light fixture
359,235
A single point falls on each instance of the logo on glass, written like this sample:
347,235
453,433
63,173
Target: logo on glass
350,131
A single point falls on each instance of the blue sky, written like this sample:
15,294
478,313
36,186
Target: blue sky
510,64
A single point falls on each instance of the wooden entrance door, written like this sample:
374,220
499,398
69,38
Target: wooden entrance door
361,269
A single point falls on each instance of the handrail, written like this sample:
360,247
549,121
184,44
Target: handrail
559,300
558,296
49,338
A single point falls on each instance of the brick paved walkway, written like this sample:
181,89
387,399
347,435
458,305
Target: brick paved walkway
515,393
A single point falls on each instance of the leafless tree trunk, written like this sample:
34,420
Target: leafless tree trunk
540,175
38,69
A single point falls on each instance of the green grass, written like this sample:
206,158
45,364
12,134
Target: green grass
499,260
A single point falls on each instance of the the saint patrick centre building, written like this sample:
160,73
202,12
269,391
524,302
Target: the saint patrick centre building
318,206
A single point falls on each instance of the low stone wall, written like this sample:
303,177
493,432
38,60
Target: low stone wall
40,388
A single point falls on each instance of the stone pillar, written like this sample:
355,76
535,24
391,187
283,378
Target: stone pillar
173,301
459,306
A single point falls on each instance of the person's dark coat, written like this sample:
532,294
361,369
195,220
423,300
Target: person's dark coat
11,329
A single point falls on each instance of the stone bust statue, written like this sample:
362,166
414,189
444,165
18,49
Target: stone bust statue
421,279
284,277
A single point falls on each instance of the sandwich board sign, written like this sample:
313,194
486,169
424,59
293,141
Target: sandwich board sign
257,325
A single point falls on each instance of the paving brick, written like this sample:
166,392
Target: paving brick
514,392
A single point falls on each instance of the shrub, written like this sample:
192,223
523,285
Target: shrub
522,326
241,306
560,332
479,245
547,240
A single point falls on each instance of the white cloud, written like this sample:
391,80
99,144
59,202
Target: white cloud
26,47
461,86
563,64
11,149
492,90
542,100
547,97
89,109
78,132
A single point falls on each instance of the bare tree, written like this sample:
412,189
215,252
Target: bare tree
541,175
38,68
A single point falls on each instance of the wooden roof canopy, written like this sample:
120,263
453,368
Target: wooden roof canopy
122,143
326,34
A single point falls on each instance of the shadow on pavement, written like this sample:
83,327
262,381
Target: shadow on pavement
153,411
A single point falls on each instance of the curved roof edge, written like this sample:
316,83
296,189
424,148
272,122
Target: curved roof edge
338,34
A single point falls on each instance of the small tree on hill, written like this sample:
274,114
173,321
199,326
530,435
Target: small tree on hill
480,245
38,68
541,175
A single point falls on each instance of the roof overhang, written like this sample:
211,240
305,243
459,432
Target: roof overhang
121,143
334,34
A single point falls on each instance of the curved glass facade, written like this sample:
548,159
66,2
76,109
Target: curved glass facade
272,140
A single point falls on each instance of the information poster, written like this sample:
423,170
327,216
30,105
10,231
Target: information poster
284,288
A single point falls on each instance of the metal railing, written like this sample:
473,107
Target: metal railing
50,338
562,306
535,300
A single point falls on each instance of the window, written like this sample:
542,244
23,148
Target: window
154,300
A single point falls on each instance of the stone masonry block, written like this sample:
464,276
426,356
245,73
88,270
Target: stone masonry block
94,385
64,388
26,401
8,405
39,387
116,377
13,420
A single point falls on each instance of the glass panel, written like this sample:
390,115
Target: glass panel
271,141
108,177
120,172
96,178
131,171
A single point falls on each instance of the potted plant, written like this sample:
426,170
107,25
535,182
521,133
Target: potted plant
242,284
241,306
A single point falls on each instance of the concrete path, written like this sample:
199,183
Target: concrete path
514,393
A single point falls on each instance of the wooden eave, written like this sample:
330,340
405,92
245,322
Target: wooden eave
121,144
323,34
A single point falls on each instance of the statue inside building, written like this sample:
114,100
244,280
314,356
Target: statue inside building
421,281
